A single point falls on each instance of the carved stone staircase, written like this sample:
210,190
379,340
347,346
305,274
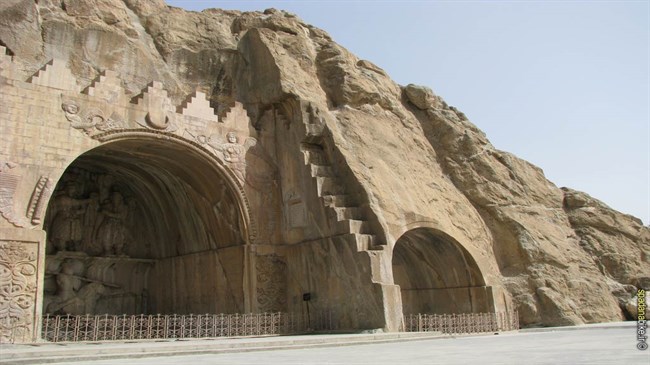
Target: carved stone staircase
348,218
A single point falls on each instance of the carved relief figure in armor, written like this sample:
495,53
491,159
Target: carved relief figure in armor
112,233
67,225
72,296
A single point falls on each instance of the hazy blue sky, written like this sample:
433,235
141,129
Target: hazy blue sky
562,84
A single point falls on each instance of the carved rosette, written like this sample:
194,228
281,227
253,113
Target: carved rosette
18,269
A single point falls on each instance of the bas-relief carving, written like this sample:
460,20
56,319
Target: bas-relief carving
66,229
271,283
157,120
231,152
91,223
94,121
296,210
91,120
89,214
86,221
249,161
152,109
76,283
253,167
112,233
9,179
75,294
18,275
38,202
11,176
160,114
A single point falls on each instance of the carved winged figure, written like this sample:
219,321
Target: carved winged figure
232,152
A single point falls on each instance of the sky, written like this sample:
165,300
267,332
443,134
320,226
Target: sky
562,84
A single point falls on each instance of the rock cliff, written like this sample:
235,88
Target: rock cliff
564,257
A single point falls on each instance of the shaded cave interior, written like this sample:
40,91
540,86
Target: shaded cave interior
437,275
144,226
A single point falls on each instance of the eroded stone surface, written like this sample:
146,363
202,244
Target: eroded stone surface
296,168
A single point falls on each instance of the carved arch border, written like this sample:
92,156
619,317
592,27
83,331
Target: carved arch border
243,205
488,280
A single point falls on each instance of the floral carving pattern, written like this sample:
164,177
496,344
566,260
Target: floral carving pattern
18,268
271,283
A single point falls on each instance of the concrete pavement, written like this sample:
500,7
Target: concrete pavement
592,344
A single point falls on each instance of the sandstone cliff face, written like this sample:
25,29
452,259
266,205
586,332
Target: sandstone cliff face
563,257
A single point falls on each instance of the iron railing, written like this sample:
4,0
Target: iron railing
462,323
90,328
68,328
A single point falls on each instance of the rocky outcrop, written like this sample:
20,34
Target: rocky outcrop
563,257
616,243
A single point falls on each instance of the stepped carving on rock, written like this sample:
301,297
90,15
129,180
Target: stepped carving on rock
156,160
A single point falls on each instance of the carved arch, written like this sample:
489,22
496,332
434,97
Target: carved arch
226,172
182,201
235,186
438,274
435,227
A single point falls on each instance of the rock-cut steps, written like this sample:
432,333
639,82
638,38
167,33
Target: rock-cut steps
348,217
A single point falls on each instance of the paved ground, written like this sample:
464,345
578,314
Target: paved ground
603,345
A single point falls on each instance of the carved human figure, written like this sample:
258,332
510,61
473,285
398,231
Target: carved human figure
112,232
234,154
67,281
90,221
232,150
72,296
67,226
105,183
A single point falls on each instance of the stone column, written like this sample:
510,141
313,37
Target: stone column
248,279
22,269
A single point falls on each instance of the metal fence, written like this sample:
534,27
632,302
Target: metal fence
70,328
462,323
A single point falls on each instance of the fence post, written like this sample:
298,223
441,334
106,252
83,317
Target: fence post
45,327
